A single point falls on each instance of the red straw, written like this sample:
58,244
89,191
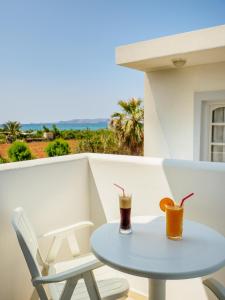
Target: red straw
120,187
185,198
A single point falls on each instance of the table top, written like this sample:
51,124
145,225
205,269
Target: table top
148,253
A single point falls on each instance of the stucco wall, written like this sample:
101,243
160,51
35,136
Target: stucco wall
169,107
60,191
148,180
54,193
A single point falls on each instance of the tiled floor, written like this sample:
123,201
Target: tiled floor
135,296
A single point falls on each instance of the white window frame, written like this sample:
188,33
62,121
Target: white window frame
212,107
204,102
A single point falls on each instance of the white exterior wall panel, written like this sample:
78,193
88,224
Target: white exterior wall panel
169,108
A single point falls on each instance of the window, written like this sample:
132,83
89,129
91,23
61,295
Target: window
217,133
209,126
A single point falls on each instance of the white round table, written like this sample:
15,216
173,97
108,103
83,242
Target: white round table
148,253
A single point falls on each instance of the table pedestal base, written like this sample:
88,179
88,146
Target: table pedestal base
157,289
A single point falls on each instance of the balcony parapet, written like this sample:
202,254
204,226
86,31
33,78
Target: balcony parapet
57,192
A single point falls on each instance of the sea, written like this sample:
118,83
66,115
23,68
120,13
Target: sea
66,126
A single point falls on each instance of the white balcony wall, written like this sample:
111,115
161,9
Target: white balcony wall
60,191
169,108
54,193
149,180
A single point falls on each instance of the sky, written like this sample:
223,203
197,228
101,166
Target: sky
57,57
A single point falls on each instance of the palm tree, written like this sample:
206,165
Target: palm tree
129,125
12,129
116,124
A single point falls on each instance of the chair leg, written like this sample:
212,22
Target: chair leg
69,288
34,295
91,286
41,292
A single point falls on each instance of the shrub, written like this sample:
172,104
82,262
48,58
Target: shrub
68,134
92,144
19,151
3,160
38,134
57,148
78,134
2,139
102,141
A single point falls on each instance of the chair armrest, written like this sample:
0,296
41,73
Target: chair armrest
63,232
216,287
71,273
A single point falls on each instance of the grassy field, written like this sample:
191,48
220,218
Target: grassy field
37,148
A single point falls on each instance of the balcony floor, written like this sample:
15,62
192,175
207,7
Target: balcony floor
135,296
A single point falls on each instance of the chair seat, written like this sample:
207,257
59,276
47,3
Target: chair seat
192,288
110,286
110,289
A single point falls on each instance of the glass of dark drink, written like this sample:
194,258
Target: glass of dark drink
125,214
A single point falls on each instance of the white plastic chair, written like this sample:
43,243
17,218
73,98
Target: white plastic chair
66,280
216,287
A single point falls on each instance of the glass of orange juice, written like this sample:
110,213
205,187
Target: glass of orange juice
174,221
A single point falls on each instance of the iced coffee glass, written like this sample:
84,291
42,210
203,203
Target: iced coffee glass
174,222
125,214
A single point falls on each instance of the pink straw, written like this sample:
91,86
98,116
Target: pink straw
120,187
185,198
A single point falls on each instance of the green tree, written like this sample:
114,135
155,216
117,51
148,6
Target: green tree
12,129
129,125
56,131
45,128
19,151
57,148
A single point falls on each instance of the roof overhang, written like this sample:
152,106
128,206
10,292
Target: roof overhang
196,47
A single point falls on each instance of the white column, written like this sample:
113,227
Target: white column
157,289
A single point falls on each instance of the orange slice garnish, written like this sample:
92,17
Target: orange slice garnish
164,202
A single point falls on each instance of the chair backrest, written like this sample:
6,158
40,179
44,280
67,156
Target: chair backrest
28,241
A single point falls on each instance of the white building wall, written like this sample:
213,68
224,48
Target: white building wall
169,107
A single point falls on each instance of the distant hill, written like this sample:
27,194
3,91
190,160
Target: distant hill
84,121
